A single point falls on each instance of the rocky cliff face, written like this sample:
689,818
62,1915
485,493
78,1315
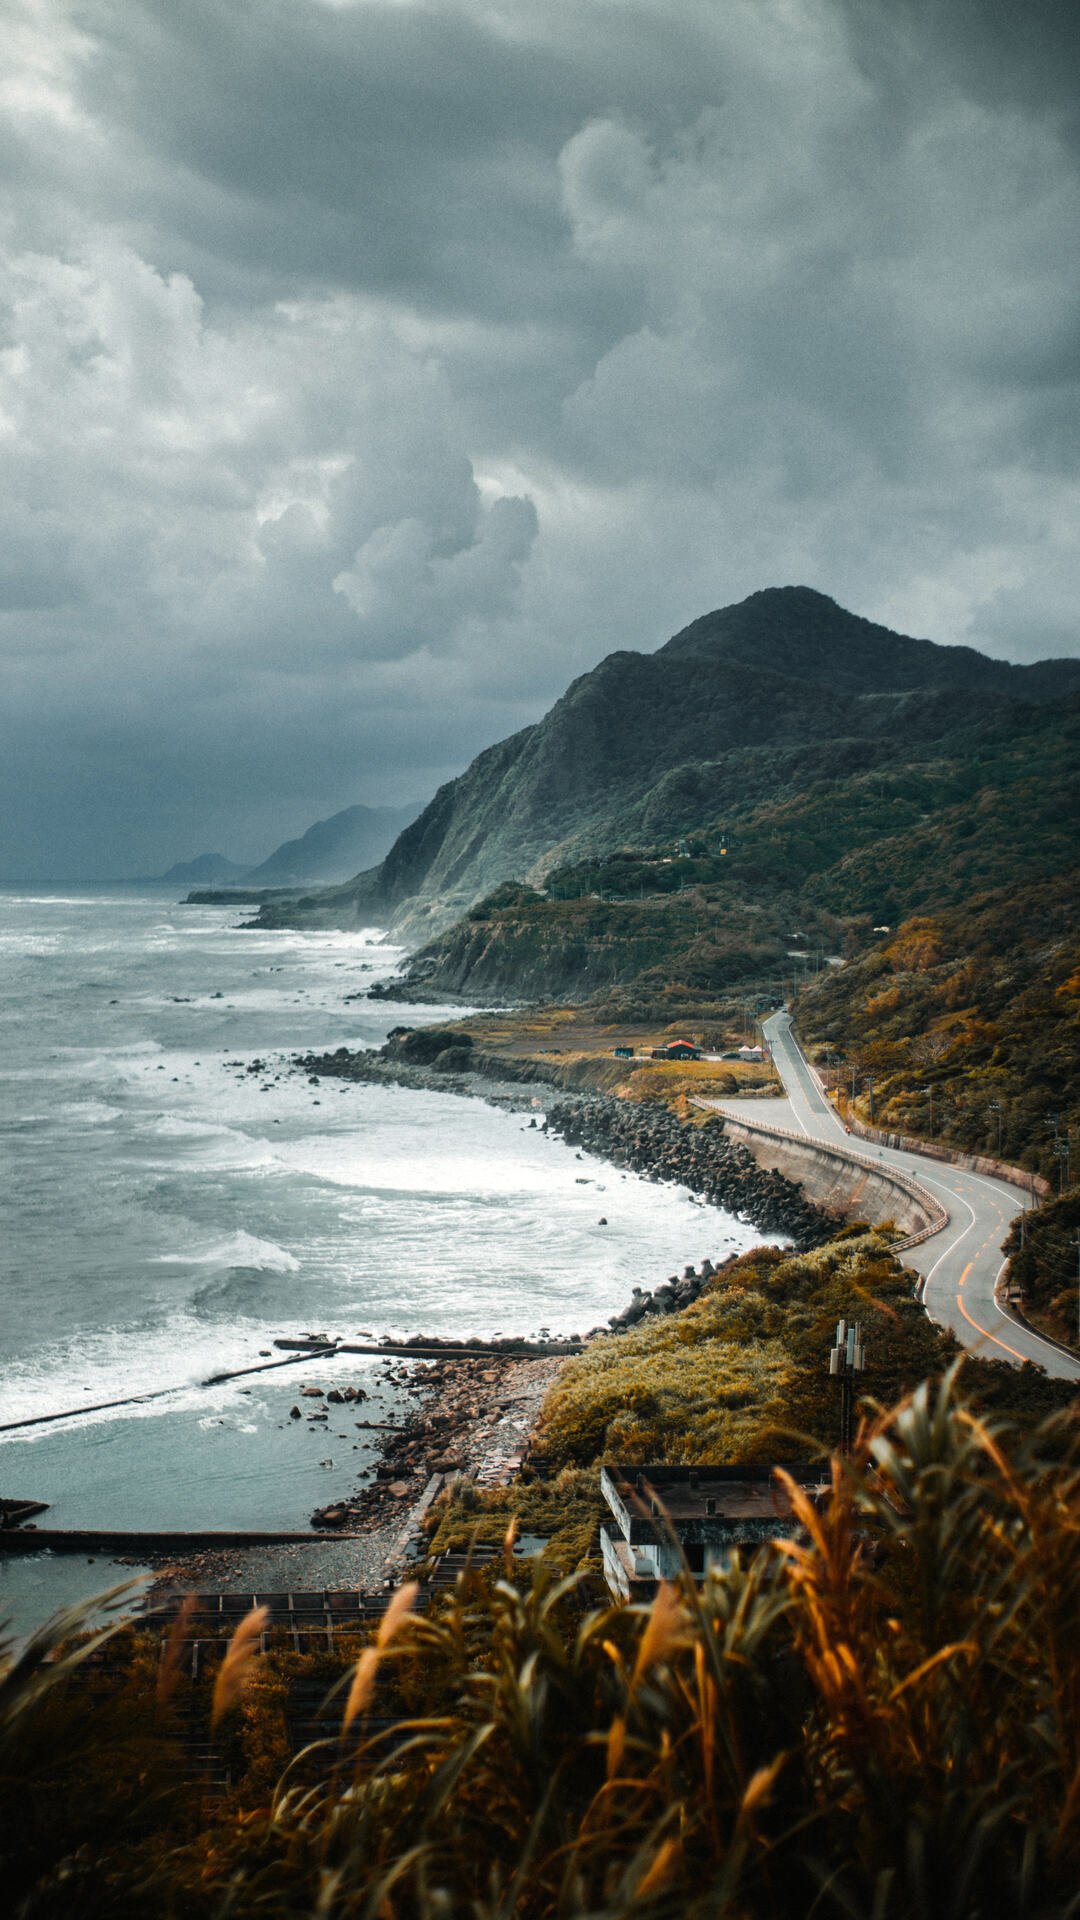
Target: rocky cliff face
744,705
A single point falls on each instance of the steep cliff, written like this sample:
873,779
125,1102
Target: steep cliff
748,704
991,807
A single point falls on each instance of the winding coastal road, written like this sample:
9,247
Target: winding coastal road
962,1263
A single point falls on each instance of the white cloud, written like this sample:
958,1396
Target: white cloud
408,594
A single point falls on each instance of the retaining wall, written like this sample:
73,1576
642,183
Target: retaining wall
845,1182
1032,1183
109,1540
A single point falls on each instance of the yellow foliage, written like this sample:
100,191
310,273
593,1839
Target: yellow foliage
917,947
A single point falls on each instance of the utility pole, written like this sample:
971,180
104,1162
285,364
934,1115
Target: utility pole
997,1108
1064,1177
931,1113
846,1359
870,1084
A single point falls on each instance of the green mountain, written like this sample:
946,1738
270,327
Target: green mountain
988,813
749,707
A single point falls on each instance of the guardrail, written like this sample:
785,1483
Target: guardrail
1028,1181
893,1176
1022,1177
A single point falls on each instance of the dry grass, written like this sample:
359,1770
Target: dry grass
579,1050
881,1718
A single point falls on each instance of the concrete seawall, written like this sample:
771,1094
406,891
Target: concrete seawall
846,1183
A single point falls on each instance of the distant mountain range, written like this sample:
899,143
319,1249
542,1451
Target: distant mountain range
206,870
329,851
748,707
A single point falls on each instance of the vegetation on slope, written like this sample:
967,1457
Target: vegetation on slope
742,1374
879,1718
1044,1260
704,941
724,906
748,706
969,1021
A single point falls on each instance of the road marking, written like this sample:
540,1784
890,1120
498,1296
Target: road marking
990,1336
953,1244
1007,1199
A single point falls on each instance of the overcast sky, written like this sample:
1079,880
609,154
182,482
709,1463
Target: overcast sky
368,369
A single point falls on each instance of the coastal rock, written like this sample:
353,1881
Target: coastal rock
423,1046
453,1060
658,1145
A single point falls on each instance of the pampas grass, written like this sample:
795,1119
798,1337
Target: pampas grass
367,1667
879,1718
236,1667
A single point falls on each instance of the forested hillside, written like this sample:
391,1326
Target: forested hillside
752,706
969,1022
743,901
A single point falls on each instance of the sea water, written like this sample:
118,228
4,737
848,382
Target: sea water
166,1214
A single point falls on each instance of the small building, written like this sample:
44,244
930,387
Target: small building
623,1053
750,1053
677,1050
663,1516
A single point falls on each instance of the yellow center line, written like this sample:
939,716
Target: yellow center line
986,1332
966,1271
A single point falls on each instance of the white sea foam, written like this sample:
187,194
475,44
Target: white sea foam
112,1363
92,1113
179,1355
239,1250
185,1216
174,1126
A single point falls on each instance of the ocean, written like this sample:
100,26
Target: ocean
166,1214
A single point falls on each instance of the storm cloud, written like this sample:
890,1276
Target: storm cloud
368,370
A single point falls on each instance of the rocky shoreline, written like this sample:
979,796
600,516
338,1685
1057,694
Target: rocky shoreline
474,1417
437,1060
653,1142
471,1417
474,1414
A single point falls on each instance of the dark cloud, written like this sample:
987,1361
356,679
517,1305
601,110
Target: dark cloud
994,51
369,369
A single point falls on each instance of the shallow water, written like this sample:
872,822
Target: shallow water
166,1213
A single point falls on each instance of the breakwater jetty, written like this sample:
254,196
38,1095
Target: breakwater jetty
431,1346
